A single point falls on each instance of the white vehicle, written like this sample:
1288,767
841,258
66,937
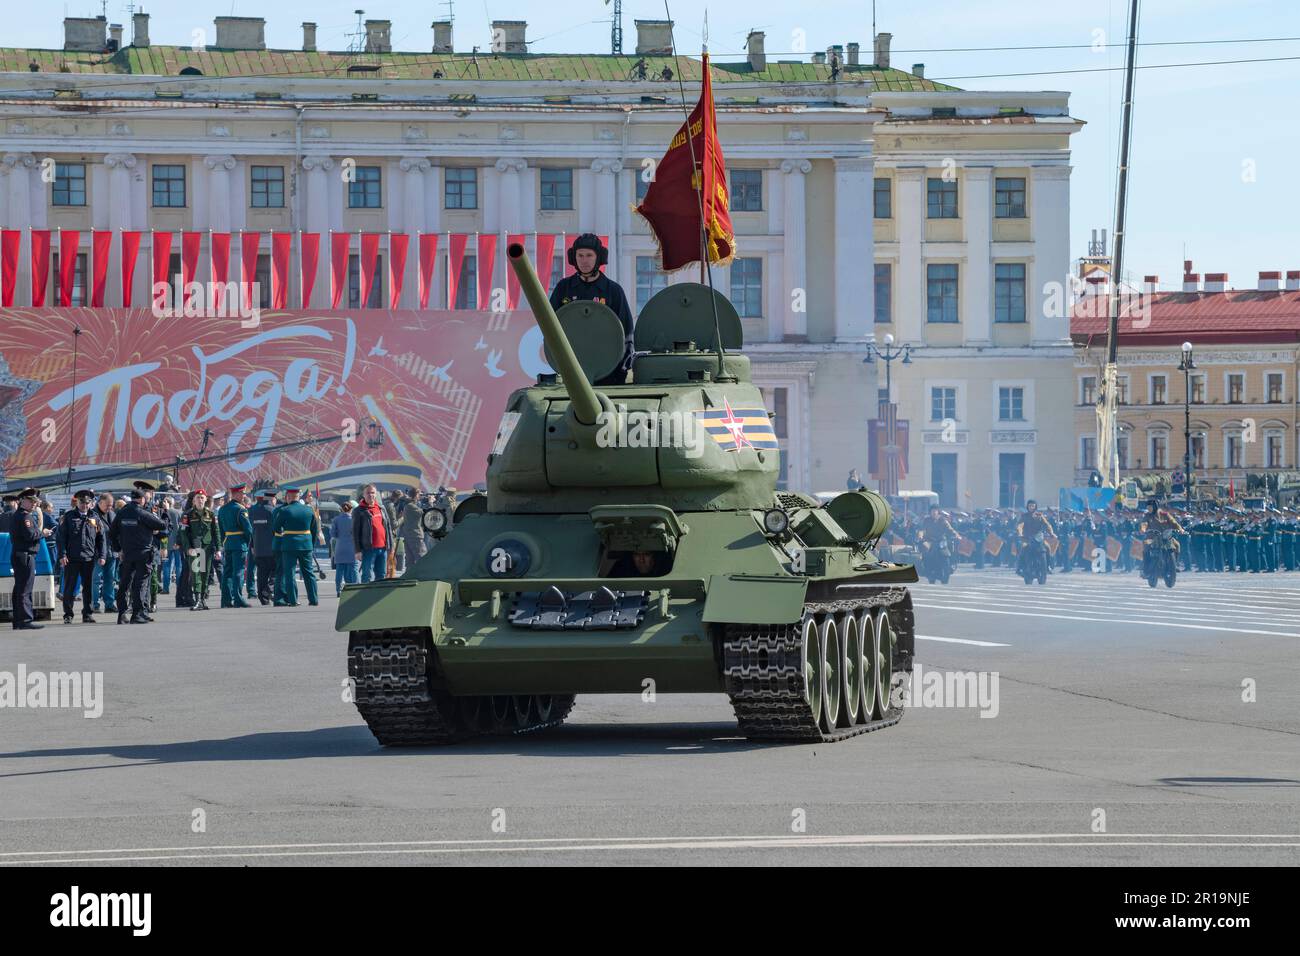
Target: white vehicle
44,594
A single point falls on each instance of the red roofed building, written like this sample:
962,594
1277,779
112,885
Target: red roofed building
1243,389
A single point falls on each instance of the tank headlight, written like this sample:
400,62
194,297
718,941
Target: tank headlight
776,522
434,521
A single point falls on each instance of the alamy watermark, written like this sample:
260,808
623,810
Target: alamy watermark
69,690
636,429
932,688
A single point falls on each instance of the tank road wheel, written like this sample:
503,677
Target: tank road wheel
474,713
867,635
884,662
850,669
814,678
523,710
828,637
501,713
542,705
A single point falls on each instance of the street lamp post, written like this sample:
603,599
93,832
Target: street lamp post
1186,368
887,410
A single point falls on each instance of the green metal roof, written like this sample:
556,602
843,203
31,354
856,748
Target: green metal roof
170,60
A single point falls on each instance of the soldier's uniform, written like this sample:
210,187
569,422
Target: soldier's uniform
83,541
133,534
26,529
260,516
236,535
296,529
412,531
199,535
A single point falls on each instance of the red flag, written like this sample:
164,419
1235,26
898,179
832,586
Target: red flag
190,242
100,243
512,281
545,259
487,257
339,242
130,252
455,260
69,243
281,245
571,238
40,265
683,189
369,259
249,243
310,253
10,241
220,256
397,245
162,257
428,259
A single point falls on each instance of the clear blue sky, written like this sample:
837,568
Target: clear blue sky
1195,128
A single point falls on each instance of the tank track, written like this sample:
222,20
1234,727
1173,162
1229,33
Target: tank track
392,673
763,670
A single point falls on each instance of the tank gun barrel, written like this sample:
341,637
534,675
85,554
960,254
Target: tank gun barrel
586,403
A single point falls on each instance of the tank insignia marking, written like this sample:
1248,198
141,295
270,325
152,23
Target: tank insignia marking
739,428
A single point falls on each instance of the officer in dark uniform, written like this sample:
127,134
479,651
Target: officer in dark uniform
83,546
261,516
25,533
589,284
133,536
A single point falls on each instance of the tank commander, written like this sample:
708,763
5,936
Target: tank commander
640,564
589,284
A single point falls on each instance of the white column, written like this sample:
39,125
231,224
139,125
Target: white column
854,250
796,263
1049,222
492,208
317,219
909,284
219,168
433,199
977,272
586,189
413,223
119,166
606,188
18,170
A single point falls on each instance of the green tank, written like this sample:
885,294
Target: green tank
632,540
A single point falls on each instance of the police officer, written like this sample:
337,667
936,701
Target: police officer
26,532
236,534
589,284
296,529
260,517
132,537
83,546
198,547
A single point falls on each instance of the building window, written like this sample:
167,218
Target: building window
79,287
1009,197
1273,450
1009,292
777,398
943,403
1088,390
1089,445
780,412
941,199
1198,451
747,287
1158,384
557,188
1121,447
268,187
649,280
460,188
1121,389
884,292
1159,451
882,198
1198,389
169,186
1011,404
1273,387
746,190
941,292
1236,388
69,184
1232,451
1011,480
363,191
467,285
262,276
354,284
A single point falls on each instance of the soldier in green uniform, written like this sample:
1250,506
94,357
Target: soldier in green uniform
236,536
198,537
296,530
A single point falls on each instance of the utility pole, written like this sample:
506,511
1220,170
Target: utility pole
616,28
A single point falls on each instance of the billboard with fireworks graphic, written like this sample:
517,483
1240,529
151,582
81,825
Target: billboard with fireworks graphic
331,398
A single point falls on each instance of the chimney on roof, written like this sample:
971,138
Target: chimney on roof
1191,280
241,33
508,36
1187,266
1215,281
754,47
84,34
1149,284
654,36
1293,280
1269,281
442,36
114,37
379,36
853,53
918,69
308,37
819,57
882,50
140,29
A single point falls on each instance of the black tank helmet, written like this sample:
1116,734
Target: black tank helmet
588,240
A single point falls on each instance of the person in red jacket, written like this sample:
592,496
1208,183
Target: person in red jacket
372,535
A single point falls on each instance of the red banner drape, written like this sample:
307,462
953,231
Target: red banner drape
487,258
162,256
512,280
220,253
428,259
130,252
40,265
339,242
249,244
309,253
69,246
101,242
398,242
190,244
281,245
545,258
10,242
369,259
456,243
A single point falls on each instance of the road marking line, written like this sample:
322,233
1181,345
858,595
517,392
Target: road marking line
1108,620
959,640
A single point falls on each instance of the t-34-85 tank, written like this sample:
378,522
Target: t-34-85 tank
632,539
